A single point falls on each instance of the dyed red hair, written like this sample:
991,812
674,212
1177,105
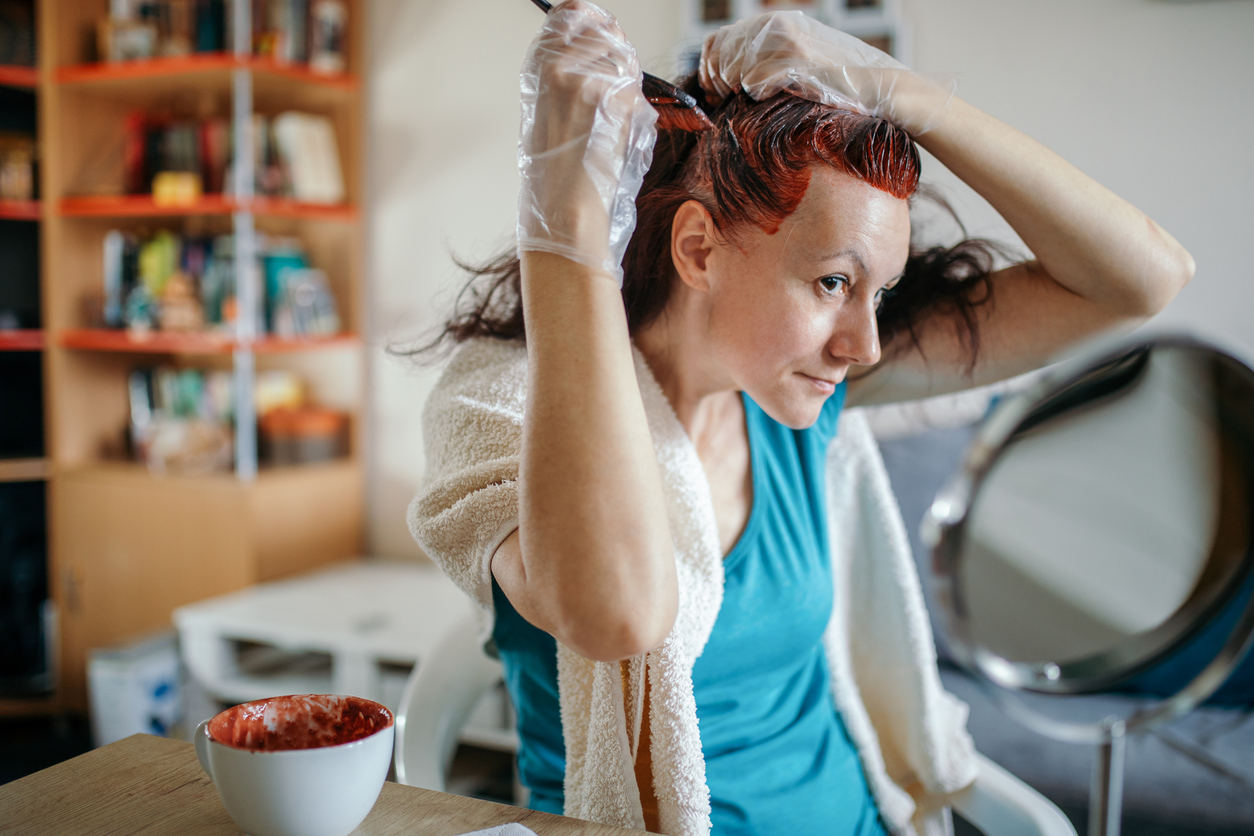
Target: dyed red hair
753,168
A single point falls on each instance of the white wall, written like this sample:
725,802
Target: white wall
1154,99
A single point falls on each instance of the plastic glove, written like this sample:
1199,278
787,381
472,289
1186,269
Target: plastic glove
790,52
586,140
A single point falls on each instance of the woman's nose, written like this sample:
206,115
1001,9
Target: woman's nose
857,338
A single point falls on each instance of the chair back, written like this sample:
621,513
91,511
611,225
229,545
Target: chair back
439,697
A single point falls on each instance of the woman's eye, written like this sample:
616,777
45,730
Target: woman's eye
834,284
882,294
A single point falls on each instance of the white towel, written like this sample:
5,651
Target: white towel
909,732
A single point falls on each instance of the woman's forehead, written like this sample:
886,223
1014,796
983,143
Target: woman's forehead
842,217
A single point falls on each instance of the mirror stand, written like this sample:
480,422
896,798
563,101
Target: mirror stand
1106,797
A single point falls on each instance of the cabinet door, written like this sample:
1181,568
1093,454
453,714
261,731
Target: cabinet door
136,547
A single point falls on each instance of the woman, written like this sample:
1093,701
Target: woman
641,493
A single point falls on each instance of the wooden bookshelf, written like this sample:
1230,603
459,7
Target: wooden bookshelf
162,342
23,470
127,546
19,210
143,206
30,707
16,76
23,339
203,63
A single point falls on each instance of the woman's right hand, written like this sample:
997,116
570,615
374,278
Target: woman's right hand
586,139
791,52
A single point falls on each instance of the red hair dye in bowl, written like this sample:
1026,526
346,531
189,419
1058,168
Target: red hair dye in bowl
301,721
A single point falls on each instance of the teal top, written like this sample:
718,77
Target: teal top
777,756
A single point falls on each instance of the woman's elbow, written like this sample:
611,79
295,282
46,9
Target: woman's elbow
622,633
1172,269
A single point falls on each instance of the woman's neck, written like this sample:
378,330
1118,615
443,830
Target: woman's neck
679,353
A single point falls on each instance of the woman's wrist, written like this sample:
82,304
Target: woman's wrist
544,272
918,102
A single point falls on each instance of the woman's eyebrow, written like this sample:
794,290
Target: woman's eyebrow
847,252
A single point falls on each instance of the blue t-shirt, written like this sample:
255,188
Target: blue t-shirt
778,758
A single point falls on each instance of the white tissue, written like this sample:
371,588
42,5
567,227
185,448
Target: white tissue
511,829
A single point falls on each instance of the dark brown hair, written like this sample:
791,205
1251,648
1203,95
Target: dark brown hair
753,169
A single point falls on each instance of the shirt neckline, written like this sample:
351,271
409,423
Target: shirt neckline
756,509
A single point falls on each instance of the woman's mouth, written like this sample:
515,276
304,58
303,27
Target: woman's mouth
823,385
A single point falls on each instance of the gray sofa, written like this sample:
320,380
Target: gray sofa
1193,777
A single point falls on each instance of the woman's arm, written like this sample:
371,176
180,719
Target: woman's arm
591,562
1100,264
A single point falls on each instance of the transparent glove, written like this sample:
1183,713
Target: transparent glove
586,139
790,52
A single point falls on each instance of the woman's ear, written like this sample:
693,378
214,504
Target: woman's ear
692,243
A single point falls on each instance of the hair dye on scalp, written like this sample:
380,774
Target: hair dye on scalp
754,169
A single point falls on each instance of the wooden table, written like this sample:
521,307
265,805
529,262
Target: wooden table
152,785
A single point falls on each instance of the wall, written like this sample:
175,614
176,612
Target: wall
1151,98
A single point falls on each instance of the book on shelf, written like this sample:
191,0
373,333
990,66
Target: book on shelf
309,156
289,31
17,33
186,283
295,155
181,420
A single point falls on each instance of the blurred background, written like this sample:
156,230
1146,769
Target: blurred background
218,240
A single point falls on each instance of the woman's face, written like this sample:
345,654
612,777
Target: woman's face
790,312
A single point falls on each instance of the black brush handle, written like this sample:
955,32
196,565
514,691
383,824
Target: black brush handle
656,90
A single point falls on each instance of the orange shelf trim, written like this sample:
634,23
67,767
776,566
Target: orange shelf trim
26,339
19,210
13,75
164,342
143,206
204,62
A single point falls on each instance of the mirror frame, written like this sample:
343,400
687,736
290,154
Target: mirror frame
945,525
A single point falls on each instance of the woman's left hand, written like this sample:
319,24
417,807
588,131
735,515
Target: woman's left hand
789,52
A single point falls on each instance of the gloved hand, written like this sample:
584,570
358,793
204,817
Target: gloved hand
788,51
586,139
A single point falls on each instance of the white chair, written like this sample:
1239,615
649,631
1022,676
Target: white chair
439,697
999,804
446,686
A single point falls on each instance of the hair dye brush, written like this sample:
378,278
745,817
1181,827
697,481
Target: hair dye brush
676,110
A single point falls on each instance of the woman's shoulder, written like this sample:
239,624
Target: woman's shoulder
479,399
481,356
483,368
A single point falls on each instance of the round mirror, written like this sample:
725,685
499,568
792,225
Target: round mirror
1101,523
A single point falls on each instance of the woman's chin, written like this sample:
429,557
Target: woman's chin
798,415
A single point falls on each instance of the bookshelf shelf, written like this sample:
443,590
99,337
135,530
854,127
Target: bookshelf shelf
24,339
143,206
214,62
29,707
23,470
267,477
159,342
19,210
17,76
